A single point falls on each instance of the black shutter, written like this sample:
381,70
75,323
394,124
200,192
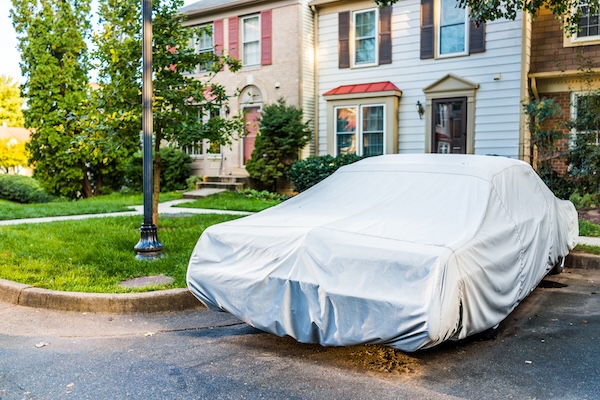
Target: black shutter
476,38
427,30
344,40
385,35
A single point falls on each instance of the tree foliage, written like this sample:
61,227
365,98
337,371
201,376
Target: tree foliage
11,102
282,134
13,156
568,11
54,62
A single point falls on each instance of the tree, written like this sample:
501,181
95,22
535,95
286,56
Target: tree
282,134
13,156
185,110
54,61
568,11
11,102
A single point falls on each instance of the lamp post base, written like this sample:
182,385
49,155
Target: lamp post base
149,247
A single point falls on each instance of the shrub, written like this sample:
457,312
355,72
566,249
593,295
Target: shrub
190,183
309,172
173,175
260,195
282,134
585,201
22,189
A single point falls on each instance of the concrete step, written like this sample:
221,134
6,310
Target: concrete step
225,178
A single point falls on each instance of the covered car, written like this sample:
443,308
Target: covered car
401,250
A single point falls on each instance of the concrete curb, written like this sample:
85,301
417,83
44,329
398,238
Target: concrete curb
147,302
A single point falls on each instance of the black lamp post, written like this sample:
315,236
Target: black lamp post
149,247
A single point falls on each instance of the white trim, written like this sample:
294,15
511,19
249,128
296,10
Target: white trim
244,42
437,9
358,130
353,41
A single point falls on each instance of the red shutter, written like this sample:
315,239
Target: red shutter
234,37
427,29
344,39
385,35
266,40
218,39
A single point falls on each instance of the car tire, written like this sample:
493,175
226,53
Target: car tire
558,267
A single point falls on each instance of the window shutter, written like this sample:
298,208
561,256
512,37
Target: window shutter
266,38
218,39
476,38
427,30
233,37
344,40
385,35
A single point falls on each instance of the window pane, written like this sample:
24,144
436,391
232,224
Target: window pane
251,54
365,51
588,23
345,129
251,30
365,24
452,39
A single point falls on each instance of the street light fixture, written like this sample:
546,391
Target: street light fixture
149,247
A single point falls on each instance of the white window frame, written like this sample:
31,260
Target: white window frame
438,31
356,38
571,40
199,50
573,111
203,148
246,41
359,131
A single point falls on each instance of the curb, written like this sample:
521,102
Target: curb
147,302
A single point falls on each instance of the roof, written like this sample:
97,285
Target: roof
363,88
21,134
207,6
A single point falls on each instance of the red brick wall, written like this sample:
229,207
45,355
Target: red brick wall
563,99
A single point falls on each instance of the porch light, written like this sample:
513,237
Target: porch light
420,109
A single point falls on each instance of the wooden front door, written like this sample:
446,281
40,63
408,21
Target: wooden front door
251,130
449,126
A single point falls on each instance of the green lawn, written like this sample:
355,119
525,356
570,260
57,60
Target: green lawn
94,205
95,255
586,228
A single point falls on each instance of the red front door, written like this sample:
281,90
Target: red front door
250,130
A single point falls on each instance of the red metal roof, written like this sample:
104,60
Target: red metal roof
362,88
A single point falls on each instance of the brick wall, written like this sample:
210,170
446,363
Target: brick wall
548,53
563,99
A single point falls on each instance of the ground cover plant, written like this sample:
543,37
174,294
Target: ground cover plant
94,205
247,200
96,254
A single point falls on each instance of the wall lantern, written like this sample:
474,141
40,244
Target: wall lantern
420,109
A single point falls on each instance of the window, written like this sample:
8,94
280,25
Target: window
204,146
203,44
251,50
588,23
585,111
365,138
365,37
452,28
447,31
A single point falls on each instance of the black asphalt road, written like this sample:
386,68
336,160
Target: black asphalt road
549,348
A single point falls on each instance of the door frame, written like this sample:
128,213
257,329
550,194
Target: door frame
463,116
448,87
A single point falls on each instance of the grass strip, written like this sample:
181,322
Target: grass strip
589,229
232,201
95,205
96,254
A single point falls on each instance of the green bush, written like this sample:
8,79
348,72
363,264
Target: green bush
22,189
282,134
585,201
173,175
190,183
309,172
260,195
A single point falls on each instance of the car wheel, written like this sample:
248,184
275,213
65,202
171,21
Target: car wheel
558,267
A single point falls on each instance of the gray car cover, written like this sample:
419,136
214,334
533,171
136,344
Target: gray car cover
402,250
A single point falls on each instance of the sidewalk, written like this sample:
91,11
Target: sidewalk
163,300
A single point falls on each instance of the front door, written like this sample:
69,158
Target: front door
251,130
449,126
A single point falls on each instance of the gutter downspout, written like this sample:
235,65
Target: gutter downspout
316,79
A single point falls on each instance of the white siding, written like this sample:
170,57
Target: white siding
497,102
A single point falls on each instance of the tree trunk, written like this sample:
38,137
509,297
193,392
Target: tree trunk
86,187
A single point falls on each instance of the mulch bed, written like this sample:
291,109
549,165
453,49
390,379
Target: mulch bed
592,215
